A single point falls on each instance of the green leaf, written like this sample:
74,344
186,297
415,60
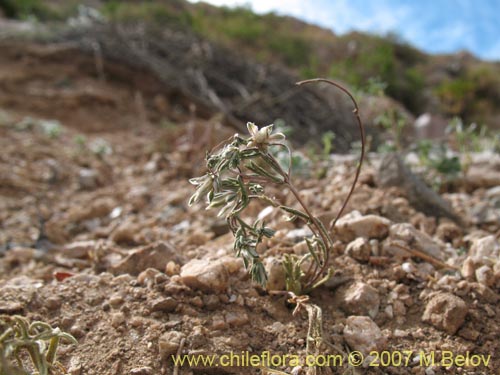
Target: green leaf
295,212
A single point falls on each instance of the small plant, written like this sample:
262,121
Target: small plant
327,139
100,147
239,170
393,121
37,340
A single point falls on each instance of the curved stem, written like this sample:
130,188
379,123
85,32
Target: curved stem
358,169
361,130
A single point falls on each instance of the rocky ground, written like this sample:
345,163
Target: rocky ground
97,238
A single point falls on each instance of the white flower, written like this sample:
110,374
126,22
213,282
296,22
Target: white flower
261,138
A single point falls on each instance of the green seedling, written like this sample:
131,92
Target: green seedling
37,340
238,172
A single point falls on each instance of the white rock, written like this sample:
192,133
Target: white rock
485,275
361,333
485,250
355,225
469,268
415,239
494,192
206,275
408,268
359,249
361,299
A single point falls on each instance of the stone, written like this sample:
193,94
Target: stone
148,276
98,208
208,276
235,319
88,179
79,249
469,268
493,192
482,176
145,370
361,299
117,319
416,239
485,249
125,233
275,274
138,197
167,304
156,256
115,300
485,275
446,312
362,334
359,249
355,225
448,232
169,342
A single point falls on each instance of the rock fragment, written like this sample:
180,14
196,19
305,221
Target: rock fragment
362,334
209,276
361,299
169,342
355,225
414,238
446,312
155,256
359,249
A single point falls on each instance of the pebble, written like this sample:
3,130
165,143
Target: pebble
275,274
167,304
361,299
169,342
218,322
88,179
236,319
138,197
147,276
415,238
117,319
209,276
145,370
485,249
361,333
359,249
156,255
211,302
77,331
469,268
446,312
53,302
172,268
485,275
355,225
79,249
125,233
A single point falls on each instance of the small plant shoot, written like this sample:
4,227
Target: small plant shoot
238,171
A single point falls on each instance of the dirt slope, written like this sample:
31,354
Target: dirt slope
102,198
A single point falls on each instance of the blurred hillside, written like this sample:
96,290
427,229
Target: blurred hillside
448,85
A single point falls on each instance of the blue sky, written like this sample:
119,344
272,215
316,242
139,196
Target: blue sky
436,26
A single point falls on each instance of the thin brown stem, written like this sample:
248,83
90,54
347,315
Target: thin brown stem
362,133
329,243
